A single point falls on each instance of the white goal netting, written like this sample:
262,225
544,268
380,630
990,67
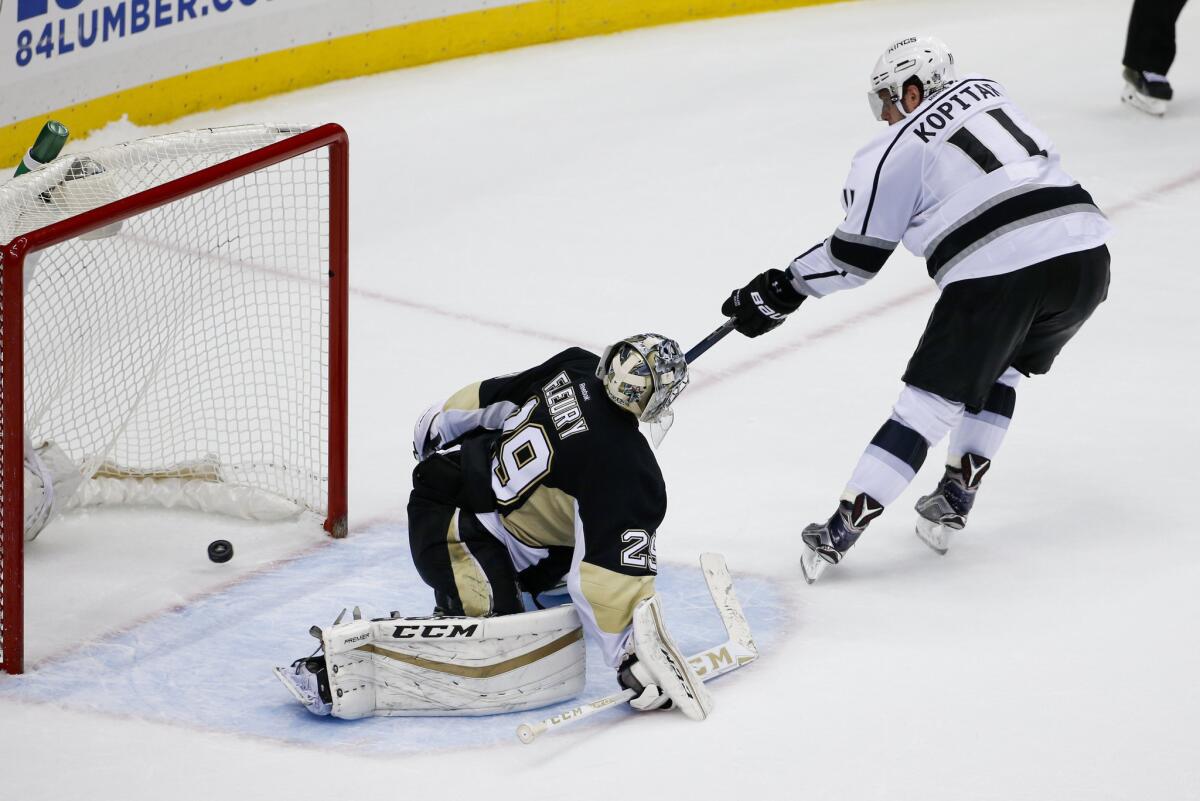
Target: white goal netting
181,356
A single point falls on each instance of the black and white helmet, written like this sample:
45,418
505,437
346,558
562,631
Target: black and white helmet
925,58
644,374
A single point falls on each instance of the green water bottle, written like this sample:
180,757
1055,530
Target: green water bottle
46,147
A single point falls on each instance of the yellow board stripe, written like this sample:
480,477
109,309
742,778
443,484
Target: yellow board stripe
481,671
468,34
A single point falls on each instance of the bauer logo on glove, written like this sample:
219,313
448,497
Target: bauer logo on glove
772,298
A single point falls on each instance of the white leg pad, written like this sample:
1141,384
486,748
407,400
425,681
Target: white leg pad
51,481
454,665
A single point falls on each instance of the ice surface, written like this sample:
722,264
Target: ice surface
206,664
506,206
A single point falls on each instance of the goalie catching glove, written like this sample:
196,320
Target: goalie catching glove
763,304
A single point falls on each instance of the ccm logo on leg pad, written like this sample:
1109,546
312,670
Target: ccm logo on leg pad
434,631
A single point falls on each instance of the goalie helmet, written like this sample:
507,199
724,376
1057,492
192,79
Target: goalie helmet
644,374
925,58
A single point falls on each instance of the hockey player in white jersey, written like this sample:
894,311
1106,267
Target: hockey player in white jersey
1013,242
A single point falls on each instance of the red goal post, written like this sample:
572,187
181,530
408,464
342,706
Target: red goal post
217,279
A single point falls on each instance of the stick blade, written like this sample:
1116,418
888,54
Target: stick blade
720,586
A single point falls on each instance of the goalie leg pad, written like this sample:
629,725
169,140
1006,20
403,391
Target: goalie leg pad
658,653
452,665
51,481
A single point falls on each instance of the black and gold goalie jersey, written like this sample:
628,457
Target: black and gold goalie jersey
577,491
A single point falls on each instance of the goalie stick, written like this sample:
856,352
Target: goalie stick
737,650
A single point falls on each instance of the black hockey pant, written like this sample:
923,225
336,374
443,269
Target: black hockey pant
982,326
469,569
1150,44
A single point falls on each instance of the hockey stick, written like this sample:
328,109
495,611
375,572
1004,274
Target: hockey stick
716,336
737,650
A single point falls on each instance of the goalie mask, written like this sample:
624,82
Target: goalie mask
644,374
925,58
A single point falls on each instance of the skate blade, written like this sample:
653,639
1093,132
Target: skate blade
935,535
812,565
1149,105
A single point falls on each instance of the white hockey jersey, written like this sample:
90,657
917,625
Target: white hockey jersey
965,182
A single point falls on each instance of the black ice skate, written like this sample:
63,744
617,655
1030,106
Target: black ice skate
945,510
826,543
1147,91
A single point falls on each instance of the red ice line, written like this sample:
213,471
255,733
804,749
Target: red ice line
1153,194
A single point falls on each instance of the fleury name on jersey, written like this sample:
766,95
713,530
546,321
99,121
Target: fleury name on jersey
563,404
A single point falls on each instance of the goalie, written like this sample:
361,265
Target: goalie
522,482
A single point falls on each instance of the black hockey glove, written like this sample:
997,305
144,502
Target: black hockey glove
440,479
633,676
762,304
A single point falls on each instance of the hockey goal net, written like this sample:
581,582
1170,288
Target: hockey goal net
173,331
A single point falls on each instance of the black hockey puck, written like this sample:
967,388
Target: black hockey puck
220,551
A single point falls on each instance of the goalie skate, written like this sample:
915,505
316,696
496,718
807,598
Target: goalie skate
306,681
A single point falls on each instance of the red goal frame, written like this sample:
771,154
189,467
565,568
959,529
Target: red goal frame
12,541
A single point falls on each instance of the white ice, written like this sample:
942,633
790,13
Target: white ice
508,205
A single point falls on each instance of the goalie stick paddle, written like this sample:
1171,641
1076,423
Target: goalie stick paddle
737,650
703,345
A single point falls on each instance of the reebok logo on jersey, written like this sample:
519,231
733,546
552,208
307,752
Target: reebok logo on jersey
939,116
